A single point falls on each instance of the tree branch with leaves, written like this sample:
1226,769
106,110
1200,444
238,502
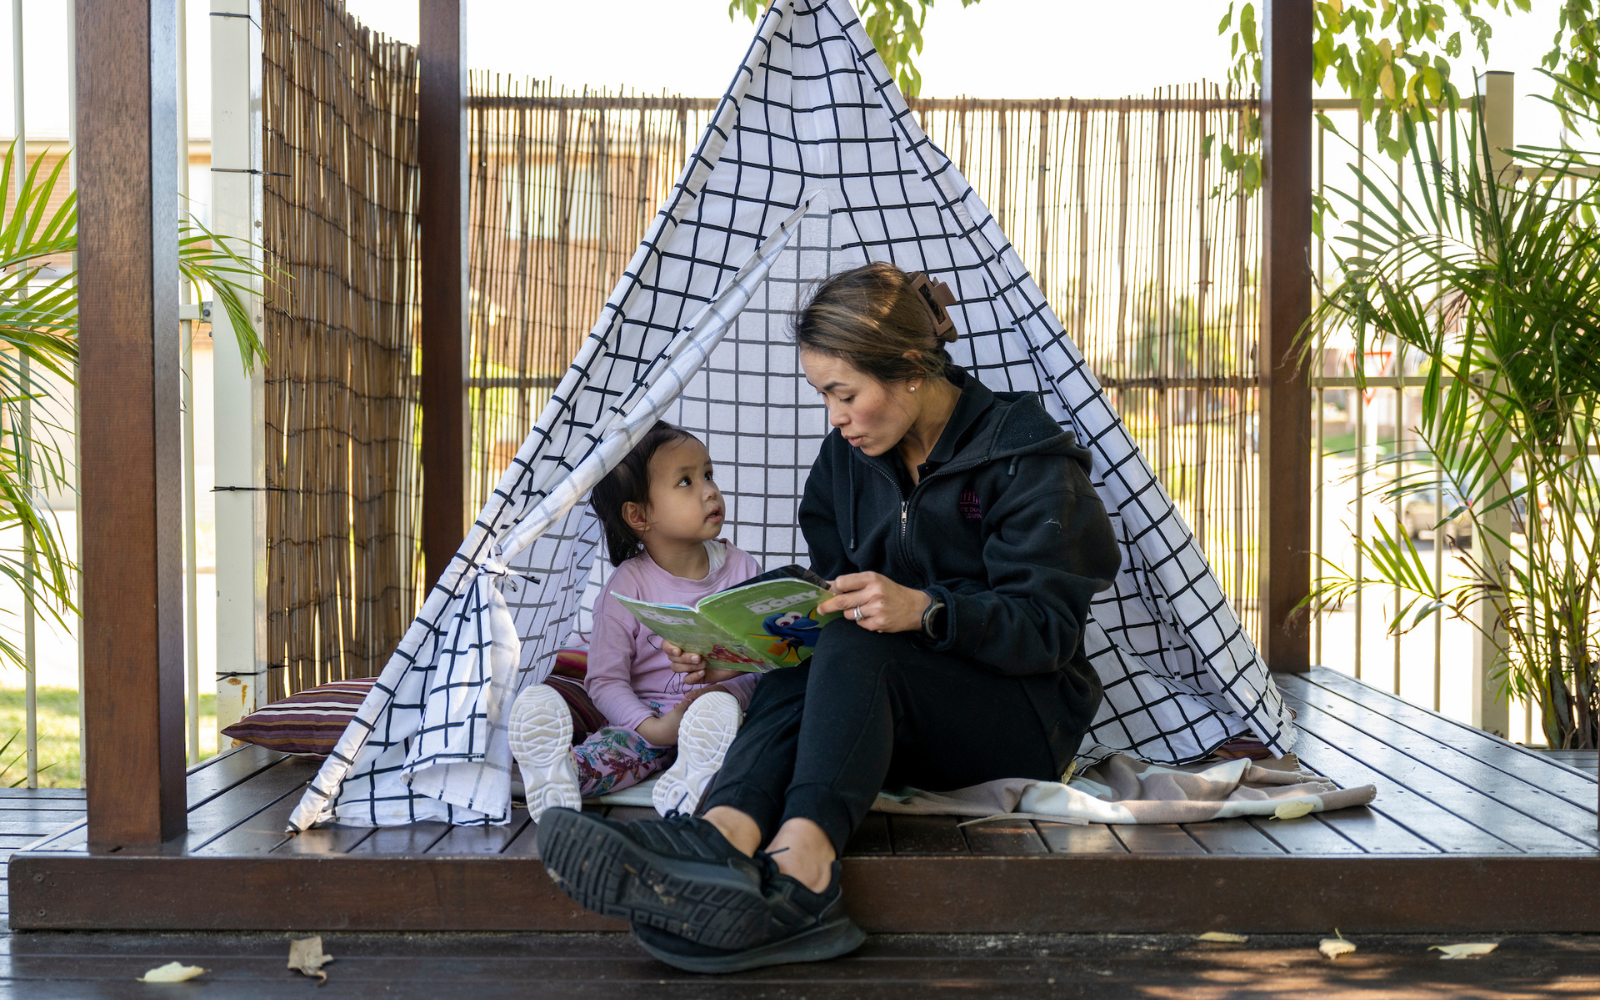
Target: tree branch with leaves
895,27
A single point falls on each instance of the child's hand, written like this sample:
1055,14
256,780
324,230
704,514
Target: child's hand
693,666
662,730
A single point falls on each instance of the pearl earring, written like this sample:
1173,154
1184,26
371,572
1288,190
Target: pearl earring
913,388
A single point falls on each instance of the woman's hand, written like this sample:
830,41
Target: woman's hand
693,666
877,603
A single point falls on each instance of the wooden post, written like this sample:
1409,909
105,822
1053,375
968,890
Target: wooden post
444,331
131,472
1285,419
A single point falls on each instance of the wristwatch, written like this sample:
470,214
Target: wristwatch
930,618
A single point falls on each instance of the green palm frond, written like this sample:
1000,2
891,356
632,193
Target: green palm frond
39,352
1495,279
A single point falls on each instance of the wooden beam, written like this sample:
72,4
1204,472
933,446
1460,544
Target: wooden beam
1285,419
1044,894
131,472
444,331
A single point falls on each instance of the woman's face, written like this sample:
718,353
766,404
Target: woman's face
870,415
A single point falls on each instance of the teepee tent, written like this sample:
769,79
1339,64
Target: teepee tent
811,164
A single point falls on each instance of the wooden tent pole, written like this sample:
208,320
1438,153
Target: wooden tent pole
442,159
1285,415
131,471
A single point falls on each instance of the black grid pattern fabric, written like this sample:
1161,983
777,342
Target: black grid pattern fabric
811,164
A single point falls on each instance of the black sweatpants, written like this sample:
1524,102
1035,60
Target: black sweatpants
868,711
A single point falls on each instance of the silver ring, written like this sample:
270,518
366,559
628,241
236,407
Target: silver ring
858,612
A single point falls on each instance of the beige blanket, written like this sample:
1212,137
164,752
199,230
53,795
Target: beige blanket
1121,789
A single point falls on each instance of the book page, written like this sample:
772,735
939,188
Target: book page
693,632
777,617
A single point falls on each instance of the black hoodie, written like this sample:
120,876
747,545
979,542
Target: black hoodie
1003,527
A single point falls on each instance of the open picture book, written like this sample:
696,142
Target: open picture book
766,622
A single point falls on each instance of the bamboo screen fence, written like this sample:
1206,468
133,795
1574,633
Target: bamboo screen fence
1148,258
340,229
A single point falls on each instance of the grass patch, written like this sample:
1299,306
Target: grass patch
1345,444
59,766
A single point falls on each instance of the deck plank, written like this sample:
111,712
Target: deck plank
34,795
525,844
405,841
1070,838
1373,832
74,837
1232,836
871,837
336,839
229,770
263,832
1399,819
1586,762
1454,781
1528,765
1156,838
463,840
36,825
1518,778
1307,835
241,802
1004,836
926,834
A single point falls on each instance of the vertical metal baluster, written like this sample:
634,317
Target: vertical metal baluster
1317,495
1358,402
191,609
30,652
1438,548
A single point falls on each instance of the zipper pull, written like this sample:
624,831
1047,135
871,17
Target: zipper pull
904,504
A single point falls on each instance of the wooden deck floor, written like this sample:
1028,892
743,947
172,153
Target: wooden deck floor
1467,833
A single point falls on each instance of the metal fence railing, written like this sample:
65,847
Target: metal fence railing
1364,439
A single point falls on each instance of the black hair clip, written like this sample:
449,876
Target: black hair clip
936,295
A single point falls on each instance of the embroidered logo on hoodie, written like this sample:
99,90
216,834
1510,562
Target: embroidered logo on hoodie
970,508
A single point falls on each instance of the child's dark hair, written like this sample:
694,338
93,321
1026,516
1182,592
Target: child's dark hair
628,483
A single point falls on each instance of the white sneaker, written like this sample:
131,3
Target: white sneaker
540,728
704,735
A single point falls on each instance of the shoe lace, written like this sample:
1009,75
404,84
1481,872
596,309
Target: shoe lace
767,865
763,860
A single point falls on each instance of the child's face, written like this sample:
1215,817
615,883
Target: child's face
685,504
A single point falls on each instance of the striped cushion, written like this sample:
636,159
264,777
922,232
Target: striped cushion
572,663
308,723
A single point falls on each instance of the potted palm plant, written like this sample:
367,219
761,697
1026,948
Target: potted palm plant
1493,278
38,337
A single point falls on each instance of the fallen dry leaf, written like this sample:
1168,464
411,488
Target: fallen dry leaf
305,955
1293,809
1335,946
1465,950
1223,937
172,972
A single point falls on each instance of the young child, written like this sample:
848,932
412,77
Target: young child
661,512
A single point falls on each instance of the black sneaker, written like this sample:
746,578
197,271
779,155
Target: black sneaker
805,926
678,874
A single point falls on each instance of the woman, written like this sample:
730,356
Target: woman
963,542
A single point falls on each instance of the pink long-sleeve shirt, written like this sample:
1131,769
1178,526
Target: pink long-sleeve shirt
630,679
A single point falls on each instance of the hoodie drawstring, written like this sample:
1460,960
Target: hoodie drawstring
850,459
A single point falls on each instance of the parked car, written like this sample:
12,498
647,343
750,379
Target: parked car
1421,512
